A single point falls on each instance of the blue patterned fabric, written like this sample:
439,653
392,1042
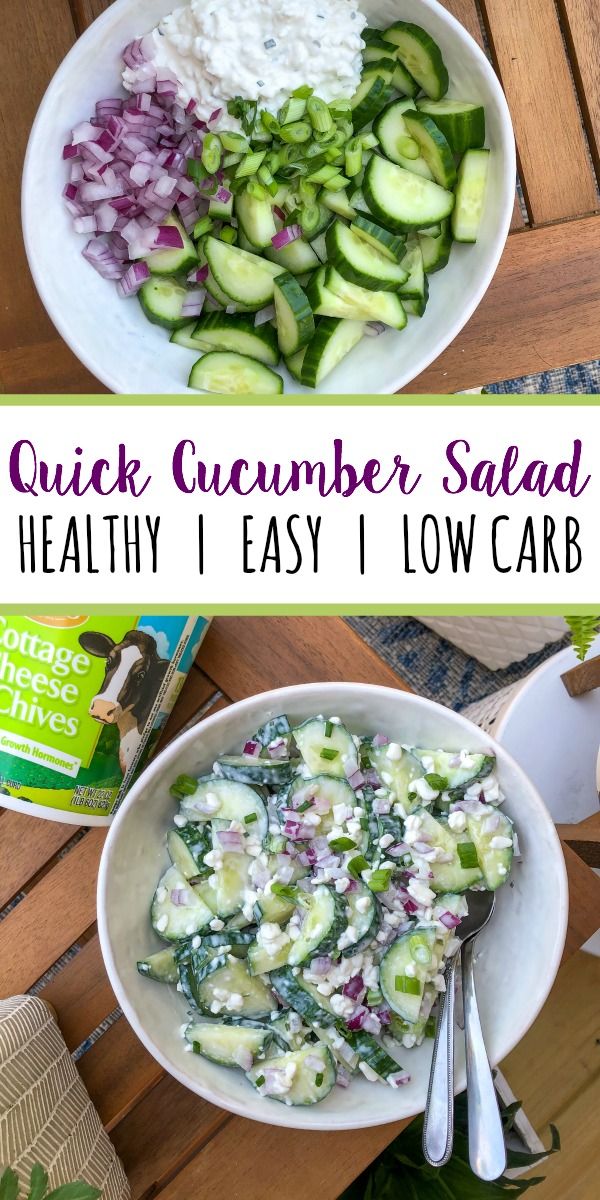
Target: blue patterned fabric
583,378
434,667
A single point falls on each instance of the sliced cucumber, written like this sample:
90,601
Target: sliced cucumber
297,257
194,966
433,146
227,1044
260,962
369,1051
416,286
462,123
295,321
229,882
333,340
404,992
495,861
415,1031
303,1076
242,276
225,301
256,219
324,921
324,747
413,307
436,250
303,997
366,305
262,772
187,847
160,966
230,801
391,245
470,195
457,776
402,200
383,67
398,775
448,876
173,921
364,920
361,263
338,203
185,337
233,979
294,365
369,98
237,332
330,790
173,262
391,130
324,302
234,374
162,301
421,56
276,727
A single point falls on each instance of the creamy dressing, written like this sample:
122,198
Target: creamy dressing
218,49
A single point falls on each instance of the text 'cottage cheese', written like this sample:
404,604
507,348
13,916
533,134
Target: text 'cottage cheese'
218,49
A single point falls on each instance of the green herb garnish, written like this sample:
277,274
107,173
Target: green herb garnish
437,782
328,753
380,880
251,818
319,1079
342,843
357,865
408,985
467,855
328,724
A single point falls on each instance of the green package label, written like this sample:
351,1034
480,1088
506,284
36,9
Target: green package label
83,701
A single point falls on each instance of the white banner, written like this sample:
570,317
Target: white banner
379,504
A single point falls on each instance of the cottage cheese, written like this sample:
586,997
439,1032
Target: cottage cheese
218,49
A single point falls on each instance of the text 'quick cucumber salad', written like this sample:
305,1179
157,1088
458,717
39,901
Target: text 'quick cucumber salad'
277,189
316,885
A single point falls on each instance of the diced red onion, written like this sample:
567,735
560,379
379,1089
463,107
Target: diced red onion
321,964
252,749
231,840
357,1020
380,739
243,1058
180,897
279,212
374,328
215,115
491,823
384,1016
381,807
85,225
199,274
193,303
354,988
168,237
398,850
342,1078
284,237
371,1023
398,1079
278,748
356,779
449,920
372,778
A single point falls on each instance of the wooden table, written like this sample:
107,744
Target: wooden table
543,308
171,1141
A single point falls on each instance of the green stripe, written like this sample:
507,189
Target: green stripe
316,610
453,401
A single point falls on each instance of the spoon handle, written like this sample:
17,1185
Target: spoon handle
438,1128
487,1151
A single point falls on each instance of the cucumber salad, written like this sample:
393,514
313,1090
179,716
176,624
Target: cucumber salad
316,883
291,219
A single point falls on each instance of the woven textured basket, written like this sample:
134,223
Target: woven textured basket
486,712
46,1114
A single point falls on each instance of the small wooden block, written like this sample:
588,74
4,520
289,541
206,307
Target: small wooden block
582,678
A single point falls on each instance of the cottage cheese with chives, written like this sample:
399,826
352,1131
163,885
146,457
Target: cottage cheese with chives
218,49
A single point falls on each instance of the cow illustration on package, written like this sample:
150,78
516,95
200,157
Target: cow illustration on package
132,680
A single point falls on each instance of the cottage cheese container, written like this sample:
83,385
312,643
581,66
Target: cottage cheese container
82,703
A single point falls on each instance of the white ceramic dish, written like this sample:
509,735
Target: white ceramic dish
519,952
113,338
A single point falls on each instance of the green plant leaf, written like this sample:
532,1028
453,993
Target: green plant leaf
9,1185
74,1191
583,631
38,1182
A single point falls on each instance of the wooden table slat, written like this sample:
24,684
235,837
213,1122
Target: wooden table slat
244,655
118,1072
584,894
26,847
582,31
49,920
555,167
81,994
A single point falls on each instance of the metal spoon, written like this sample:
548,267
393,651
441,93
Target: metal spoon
487,1152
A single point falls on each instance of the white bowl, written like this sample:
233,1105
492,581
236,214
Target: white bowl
113,338
519,952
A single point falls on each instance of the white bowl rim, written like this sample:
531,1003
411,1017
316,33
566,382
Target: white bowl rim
281,1115
93,360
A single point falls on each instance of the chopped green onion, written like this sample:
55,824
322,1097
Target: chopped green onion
327,138
337,183
411,796
319,1079
323,174
419,948
250,164
408,147
333,154
373,998
270,122
302,93
283,889
234,141
292,110
357,865
429,1028
258,133
264,175
329,753
211,153
369,141
364,823
353,156
328,729
307,192
342,843
228,234
339,107
260,1079
187,784
175,792
296,131
231,160
404,983
244,110
319,114
313,150
251,818
310,215
437,782
303,807
204,225
255,189
467,855
380,880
